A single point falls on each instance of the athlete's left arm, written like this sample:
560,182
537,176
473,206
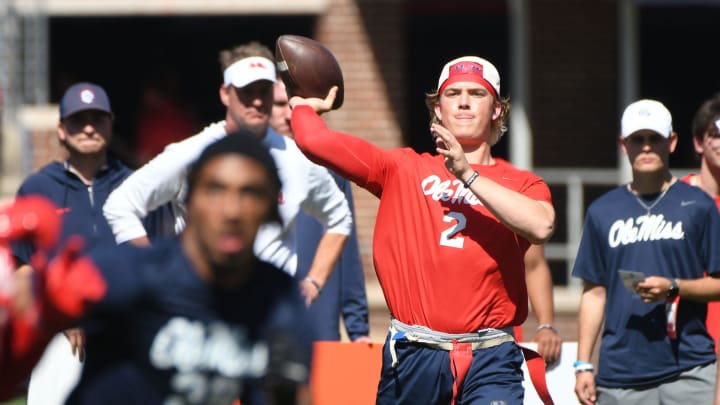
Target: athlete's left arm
532,219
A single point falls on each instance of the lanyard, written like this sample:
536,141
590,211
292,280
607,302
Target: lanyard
671,308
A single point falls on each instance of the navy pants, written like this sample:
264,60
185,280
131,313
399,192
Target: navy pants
423,376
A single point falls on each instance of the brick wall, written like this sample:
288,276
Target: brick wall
573,63
366,36
39,125
573,79
45,148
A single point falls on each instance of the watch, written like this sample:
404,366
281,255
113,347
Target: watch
674,289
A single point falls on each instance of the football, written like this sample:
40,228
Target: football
308,68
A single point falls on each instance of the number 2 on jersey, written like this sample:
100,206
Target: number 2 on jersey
447,236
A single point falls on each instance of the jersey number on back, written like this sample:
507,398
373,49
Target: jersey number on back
447,236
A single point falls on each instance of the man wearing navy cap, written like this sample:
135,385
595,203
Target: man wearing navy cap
79,186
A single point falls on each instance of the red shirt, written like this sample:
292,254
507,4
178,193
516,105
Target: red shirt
713,315
442,259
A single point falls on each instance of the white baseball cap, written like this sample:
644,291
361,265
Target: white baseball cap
249,70
470,69
646,114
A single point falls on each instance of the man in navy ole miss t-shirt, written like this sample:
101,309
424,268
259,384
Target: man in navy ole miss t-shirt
198,319
655,348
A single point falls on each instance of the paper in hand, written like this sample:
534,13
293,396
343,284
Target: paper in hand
631,278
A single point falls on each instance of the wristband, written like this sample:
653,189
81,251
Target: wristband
313,282
470,180
674,290
583,366
547,326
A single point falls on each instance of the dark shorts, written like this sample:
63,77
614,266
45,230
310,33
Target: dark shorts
423,376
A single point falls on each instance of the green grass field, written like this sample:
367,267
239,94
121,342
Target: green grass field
20,400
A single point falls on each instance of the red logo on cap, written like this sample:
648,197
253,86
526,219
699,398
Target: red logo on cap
467,71
257,65
87,96
466,68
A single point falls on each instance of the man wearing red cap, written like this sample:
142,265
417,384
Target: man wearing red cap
452,231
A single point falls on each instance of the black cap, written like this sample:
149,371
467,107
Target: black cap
241,142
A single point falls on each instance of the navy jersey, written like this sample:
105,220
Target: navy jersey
678,237
80,205
162,335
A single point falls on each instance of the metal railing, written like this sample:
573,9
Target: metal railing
24,80
575,180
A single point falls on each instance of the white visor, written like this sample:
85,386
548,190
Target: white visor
249,70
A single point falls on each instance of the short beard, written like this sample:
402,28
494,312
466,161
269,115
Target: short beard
231,274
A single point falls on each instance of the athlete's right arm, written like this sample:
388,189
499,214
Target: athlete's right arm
590,318
351,157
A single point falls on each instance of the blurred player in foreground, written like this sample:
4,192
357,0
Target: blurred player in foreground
209,321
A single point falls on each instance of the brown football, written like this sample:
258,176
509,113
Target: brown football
308,68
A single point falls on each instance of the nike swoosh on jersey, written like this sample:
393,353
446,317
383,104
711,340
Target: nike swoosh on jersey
686,203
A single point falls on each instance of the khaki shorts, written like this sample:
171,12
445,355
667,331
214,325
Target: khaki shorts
694,386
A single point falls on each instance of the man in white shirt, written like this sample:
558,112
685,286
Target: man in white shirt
247,92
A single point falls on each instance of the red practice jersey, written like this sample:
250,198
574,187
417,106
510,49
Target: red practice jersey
713,315
443,260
